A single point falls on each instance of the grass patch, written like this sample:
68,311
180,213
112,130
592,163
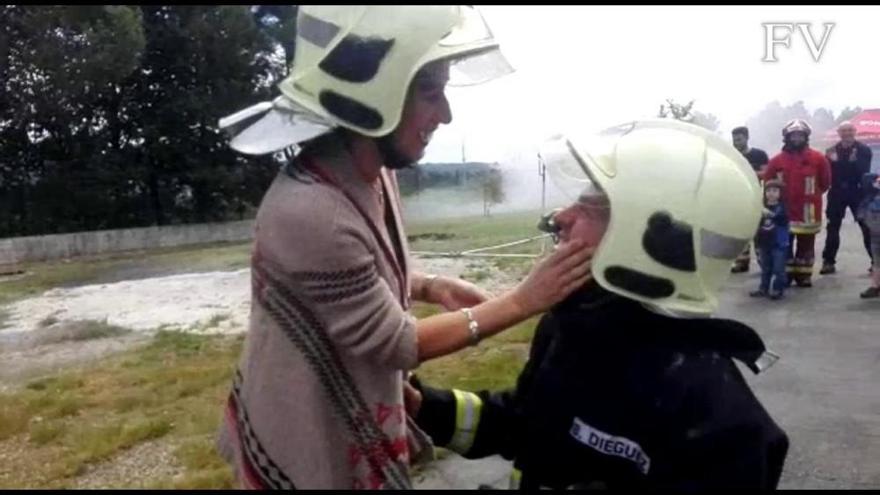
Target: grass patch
63,407
43,433
490,366
174,386
4,318
430,236
14,418
56,384
218,319
476,275
213,322
47,322
461,234
42,276
518,268
76,331
494,364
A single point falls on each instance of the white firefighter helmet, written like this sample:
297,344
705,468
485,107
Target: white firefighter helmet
353,66
684,203
795,125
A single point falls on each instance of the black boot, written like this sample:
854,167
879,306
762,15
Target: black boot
870,293
827,269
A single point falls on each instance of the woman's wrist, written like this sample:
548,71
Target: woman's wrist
518,305
427,282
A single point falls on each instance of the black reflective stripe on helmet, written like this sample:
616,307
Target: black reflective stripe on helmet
639,283
356,59
670,242
349,110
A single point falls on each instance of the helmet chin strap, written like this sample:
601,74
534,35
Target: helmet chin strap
390,155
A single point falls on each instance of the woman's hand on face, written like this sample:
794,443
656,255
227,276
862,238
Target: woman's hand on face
455,293
554,278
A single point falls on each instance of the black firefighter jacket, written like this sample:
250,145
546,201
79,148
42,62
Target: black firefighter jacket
617,396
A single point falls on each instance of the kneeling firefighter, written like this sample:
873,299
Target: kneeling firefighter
630,383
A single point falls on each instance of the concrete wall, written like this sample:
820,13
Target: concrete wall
60,246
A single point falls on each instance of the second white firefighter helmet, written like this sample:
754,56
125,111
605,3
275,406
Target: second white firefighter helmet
684,203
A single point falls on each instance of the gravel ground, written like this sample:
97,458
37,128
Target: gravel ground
135,468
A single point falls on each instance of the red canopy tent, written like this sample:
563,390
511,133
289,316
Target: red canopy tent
867,128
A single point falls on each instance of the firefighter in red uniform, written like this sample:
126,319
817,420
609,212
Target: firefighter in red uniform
806,174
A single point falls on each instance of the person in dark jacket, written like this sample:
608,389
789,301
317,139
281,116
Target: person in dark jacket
629,384
850,161
772,243
758,159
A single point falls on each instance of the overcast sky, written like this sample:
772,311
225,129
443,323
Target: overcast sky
593,66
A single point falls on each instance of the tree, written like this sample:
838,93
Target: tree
765,128
847,113
108,114
706,120
279,23
677,111
59,64
822,121
686,113
493,189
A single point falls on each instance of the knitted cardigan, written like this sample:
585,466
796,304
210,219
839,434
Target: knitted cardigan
317,398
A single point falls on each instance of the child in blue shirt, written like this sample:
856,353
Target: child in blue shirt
772,242
870,217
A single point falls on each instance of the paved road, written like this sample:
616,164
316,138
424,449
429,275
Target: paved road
825,391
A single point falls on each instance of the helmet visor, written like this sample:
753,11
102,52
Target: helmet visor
567,171
478,68
269,127
485,62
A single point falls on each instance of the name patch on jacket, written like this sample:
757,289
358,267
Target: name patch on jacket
610,445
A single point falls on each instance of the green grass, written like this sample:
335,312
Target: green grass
42,276
173,388
494,364
212,322
4,318
461,234
47,321
74,331
203,467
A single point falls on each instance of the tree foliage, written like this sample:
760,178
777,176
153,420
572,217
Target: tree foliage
108,114
765,127
686,113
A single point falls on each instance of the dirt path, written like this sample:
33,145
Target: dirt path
181,301
136,468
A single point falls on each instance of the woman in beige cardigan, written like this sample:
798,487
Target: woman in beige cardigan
317,399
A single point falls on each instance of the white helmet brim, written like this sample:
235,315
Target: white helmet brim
269,127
